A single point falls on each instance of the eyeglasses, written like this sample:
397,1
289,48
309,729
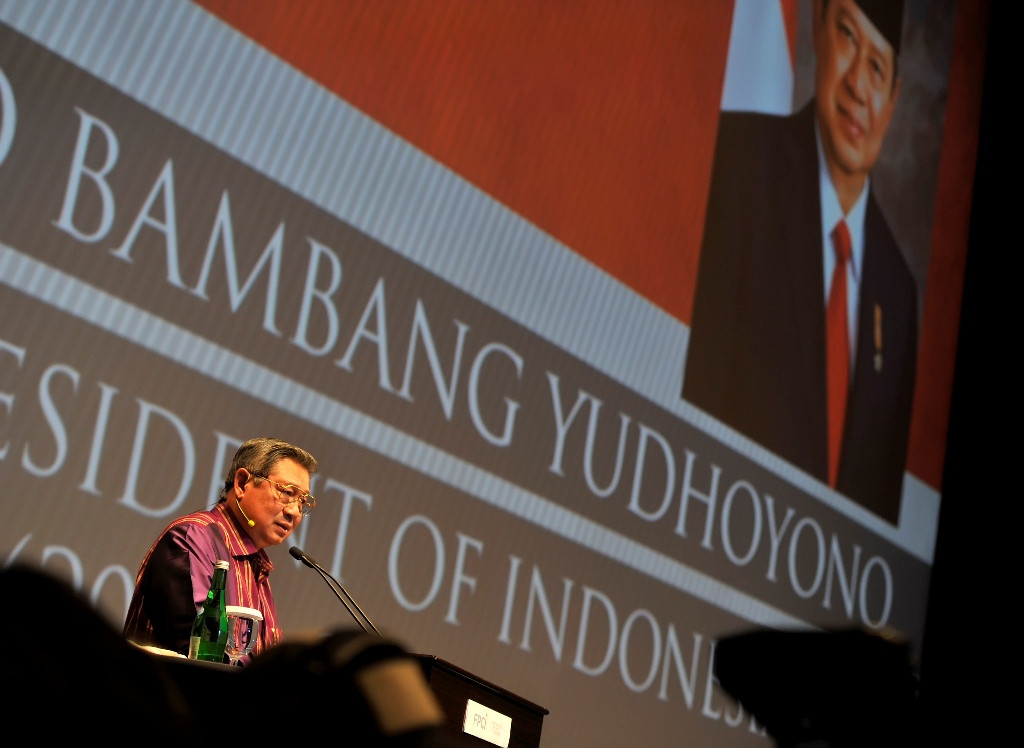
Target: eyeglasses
288,495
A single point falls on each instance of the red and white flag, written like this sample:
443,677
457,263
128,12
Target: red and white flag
759,71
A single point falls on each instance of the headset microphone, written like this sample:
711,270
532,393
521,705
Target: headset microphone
239,503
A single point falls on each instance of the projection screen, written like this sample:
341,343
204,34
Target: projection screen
452,248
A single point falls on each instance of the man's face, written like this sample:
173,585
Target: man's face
273,521
855,88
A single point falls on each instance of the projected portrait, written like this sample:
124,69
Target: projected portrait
804,331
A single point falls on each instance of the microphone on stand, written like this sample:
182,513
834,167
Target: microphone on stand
340,592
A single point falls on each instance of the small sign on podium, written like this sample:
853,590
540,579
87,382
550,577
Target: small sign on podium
477,710
487,724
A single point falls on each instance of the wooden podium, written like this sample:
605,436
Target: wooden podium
455,688
477,714
316,686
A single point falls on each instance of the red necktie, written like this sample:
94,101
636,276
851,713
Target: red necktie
837,349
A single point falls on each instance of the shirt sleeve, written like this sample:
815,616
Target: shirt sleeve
178,576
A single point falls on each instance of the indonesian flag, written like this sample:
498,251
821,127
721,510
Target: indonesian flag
759,70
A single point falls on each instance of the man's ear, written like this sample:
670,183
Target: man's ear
241,478
885,117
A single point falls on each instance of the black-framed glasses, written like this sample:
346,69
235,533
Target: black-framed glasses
288,495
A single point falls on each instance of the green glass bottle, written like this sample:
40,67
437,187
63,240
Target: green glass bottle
210,629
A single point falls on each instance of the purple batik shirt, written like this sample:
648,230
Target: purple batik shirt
176,574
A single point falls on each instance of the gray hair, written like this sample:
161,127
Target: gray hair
259,456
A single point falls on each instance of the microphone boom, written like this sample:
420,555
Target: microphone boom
340,592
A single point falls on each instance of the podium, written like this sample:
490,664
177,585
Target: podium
329,675
455,688
366,690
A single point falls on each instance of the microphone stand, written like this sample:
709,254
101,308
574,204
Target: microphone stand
340,592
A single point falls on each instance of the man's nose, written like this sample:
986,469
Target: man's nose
856,77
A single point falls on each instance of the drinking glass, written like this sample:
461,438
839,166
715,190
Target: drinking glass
243,631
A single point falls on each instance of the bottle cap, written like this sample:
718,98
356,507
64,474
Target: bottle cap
220,565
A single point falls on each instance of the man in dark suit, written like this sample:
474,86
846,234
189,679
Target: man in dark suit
759,356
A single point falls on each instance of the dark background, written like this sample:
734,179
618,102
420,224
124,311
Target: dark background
966,634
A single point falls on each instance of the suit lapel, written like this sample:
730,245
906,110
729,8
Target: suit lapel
806,333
